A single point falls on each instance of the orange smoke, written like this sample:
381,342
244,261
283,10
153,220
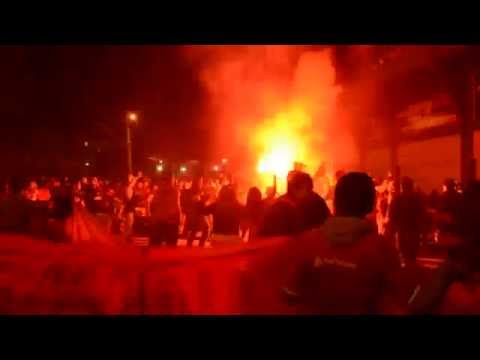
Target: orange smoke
273,106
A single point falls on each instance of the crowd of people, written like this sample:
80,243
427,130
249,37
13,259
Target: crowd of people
163,208
346,248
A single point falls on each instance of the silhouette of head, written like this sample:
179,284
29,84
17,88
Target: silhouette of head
299,185
254,196
227,194
354,195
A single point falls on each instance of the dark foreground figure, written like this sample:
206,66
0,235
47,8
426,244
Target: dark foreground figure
192,206
300,209
344,267
455,286
226,213
408,219
165,214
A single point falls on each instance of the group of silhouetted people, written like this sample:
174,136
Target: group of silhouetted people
344,266
338,261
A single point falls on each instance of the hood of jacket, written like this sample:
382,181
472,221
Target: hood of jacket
346,230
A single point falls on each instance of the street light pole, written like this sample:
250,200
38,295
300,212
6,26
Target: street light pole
129,150
131,119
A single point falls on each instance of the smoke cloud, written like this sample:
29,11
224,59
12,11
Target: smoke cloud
265,96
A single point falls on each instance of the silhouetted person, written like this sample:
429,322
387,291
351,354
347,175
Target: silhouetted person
140,206
313,209
298,210
13,208
135,203
453,285
344,266
165,214
61,201
449,205
93,196
192,207
408,219
226,212
61,209
253,213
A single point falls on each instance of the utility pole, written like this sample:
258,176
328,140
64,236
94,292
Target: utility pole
132,119
129,151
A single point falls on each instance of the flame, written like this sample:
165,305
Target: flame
281,142
278,162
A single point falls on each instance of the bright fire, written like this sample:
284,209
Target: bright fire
281,142
277,162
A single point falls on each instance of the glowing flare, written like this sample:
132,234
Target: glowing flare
281,142
278,161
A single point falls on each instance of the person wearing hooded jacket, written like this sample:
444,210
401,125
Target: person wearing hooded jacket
344,266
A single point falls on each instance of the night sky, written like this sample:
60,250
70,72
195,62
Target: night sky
55,97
